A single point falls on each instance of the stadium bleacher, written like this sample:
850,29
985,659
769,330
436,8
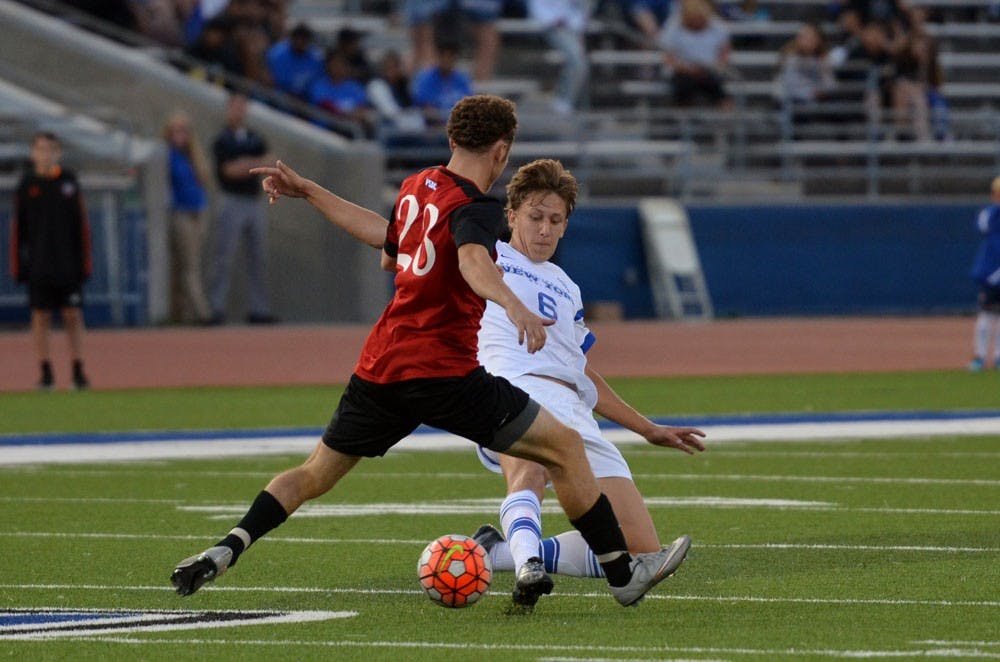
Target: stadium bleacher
630,132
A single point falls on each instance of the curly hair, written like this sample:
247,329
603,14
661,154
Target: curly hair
477,122
542,175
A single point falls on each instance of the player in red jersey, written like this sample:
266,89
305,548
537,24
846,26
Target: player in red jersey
419,363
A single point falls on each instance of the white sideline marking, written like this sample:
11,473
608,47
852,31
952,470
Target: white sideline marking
585,594
779,478
113,624
245,446
939,642
584,648
489,506
935,549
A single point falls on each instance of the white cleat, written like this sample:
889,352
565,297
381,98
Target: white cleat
650,569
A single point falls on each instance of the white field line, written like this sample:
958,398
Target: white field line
765,478
489,506
940,642
243,446
138,468
279,618
586,649
768,546
779,478
893,602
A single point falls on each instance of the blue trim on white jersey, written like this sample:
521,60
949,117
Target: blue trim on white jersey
588,342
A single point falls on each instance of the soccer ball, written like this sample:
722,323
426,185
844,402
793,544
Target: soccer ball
454,571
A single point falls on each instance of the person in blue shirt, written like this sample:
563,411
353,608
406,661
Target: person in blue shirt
338,92
189,175
295,62
986,272
439,87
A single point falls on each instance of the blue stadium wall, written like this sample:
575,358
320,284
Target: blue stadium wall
791,259
758,261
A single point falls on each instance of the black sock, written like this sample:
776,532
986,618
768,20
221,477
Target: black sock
77,368
599,527
265,513
46,371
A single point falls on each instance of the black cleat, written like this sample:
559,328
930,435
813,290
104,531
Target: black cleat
487,535
195,571
532,583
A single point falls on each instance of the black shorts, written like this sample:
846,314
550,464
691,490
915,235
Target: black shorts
48,297
371,418
989,298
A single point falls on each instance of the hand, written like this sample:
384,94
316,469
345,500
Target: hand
281,180
683,439
530,327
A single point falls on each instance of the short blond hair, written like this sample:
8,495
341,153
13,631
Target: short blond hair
542,176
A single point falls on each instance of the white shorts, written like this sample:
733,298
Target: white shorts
564,403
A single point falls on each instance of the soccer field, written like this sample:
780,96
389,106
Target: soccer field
803,549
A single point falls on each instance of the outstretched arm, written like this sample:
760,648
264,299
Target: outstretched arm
480,272
361,223
612,407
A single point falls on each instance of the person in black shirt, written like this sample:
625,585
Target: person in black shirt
50,252
237,149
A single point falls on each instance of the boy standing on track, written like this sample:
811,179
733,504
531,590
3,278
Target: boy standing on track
419,362
50,252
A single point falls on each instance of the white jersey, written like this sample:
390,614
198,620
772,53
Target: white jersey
547,290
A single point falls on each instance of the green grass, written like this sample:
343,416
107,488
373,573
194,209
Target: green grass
886,547
104,536
249,408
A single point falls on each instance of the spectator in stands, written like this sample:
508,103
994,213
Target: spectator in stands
237,149
439,87
986,272
805,76
564,23
349,43
696,50
50,252
189,179
338,92
866,61
215,46
389,95
893,15
426,18
162,20
252,36
295,62
648,16
916,84
199,16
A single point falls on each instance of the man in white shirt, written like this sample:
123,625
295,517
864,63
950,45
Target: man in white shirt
540,197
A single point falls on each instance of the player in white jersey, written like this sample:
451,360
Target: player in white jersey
540,197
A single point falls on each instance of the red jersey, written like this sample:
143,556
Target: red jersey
430,327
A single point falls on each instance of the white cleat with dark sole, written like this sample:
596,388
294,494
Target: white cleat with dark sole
650,569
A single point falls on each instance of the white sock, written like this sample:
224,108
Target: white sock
568,554
521,520
501,558
984,323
